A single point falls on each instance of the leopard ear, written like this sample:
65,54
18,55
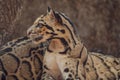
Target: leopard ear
54,16
48,10
51,13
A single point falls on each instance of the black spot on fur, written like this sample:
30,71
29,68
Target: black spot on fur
3,69
51,33
81,52
116,62
7,49
70,33
77,69
37,64
31,52
49,50
46,67
63,31
66,70
119,75
70,75
68,79
87,69
64,42
43,72
38,38
41,52
49,27
21,39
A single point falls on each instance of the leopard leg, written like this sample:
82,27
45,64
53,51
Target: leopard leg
72,69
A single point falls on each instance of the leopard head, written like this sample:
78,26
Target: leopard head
53,26
58,31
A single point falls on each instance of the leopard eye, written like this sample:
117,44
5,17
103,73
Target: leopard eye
39,25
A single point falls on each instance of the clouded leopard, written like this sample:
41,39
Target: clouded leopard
66,58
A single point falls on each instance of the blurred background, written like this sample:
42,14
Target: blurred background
98,21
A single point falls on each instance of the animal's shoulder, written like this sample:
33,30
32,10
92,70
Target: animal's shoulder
19,46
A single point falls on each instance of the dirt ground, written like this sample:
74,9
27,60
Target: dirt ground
98,21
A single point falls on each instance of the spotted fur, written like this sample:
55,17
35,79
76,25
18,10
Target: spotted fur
66,58
20,59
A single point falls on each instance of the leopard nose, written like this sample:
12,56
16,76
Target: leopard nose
29,32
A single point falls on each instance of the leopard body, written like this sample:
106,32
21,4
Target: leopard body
20,59
66,58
